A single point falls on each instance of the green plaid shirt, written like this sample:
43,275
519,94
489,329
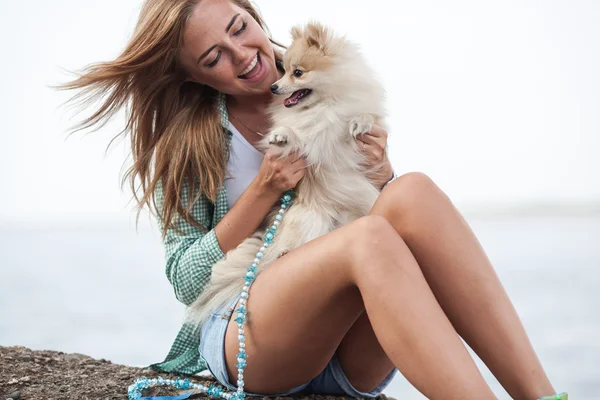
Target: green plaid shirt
189,259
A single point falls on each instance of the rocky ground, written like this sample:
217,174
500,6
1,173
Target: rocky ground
49,375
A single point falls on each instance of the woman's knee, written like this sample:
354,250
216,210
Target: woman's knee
372,229
412,187
372,237
411,194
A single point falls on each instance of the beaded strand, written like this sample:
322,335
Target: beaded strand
134,391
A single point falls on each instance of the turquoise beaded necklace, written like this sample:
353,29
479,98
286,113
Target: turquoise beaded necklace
134,391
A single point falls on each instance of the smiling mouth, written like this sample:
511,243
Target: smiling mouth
296,97
252,69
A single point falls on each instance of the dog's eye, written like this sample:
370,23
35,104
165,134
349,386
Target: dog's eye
298,73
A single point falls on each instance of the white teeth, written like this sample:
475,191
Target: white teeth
251,66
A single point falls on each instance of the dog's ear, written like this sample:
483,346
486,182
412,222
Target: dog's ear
317,36
296,32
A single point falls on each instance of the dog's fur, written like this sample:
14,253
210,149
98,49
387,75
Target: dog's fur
346,100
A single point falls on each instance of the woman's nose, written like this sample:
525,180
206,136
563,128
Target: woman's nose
239,54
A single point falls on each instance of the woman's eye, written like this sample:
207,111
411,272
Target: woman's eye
242,29
239,31
213,63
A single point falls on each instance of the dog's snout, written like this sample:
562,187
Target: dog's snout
274,88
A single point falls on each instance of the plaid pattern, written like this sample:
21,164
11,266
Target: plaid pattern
190,256
189,259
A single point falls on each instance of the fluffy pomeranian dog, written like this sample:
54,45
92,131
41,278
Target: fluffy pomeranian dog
331,96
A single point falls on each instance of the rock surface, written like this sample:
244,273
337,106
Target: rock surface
49,375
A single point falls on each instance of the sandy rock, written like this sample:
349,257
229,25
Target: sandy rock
49,375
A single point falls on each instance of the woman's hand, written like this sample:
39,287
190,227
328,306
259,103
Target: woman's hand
373,145
276,176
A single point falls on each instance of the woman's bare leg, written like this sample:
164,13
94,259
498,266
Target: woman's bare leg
301,307
361,356
464,282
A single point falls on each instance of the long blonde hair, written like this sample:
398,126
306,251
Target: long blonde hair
175,126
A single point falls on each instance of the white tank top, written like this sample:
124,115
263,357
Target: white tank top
243,165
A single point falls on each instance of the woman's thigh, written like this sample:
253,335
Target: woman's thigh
299,310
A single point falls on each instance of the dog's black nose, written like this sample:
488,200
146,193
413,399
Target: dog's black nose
274,88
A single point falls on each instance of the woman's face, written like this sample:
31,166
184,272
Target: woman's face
225,48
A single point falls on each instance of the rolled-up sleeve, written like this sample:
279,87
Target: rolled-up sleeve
191,253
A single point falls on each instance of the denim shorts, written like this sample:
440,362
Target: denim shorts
331,380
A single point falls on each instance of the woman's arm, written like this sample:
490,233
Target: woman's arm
244,218
274,177
190,251
190,255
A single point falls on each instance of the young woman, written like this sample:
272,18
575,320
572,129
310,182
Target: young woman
393,290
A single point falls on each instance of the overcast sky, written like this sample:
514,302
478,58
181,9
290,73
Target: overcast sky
498,101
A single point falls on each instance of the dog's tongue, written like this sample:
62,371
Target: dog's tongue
293,99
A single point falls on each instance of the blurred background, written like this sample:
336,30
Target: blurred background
497,101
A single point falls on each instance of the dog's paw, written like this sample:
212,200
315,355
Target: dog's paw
361,124
278,138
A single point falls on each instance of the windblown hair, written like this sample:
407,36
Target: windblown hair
175,126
